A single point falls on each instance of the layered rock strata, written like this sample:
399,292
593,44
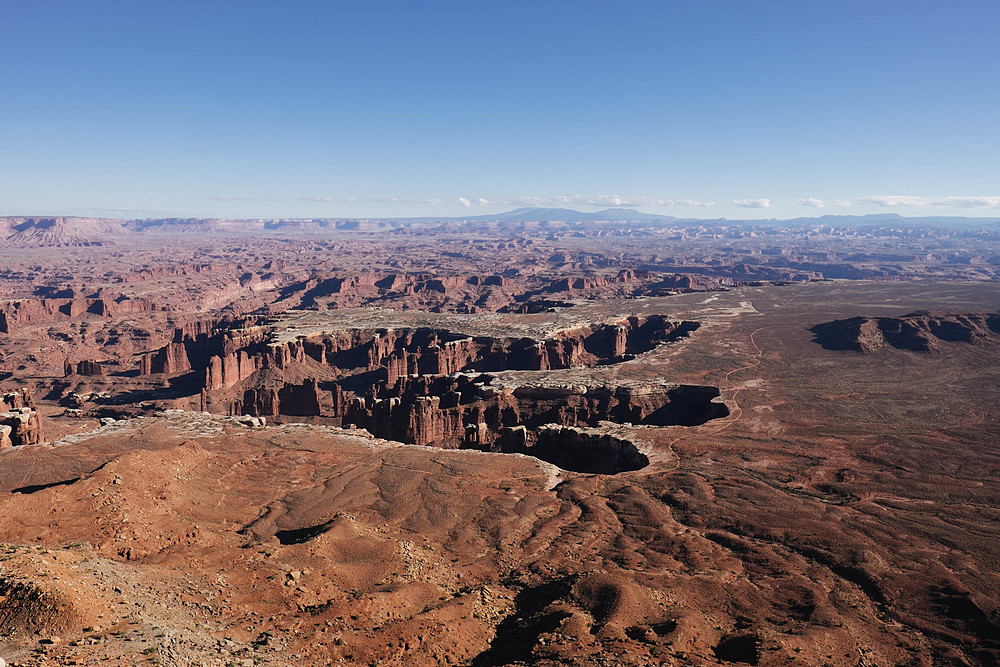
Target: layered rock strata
84,368
469,411
227,354
435,387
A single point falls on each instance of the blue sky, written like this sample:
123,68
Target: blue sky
377,108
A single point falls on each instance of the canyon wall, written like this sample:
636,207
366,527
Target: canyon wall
428,386
467,411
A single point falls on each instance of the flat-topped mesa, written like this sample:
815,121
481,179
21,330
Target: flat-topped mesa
921,331
431,352
28,312
120,306
20,423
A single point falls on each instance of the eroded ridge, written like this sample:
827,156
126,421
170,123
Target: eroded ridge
238,368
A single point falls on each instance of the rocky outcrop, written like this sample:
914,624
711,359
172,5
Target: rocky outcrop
84,368
20,423
259,401
299,400
14,400
205,344
920,331
172,358
120,306
225,371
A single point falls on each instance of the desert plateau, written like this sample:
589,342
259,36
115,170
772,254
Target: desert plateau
504,443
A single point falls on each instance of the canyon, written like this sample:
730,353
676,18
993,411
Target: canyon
499,442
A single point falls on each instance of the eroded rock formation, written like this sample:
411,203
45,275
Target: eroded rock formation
20,423
469,411
433,387
211,347
230,353
84,368
301,400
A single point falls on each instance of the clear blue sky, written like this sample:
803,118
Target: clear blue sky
372,108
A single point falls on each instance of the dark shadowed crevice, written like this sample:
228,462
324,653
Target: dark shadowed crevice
517,635
301,535
738,648
578,451
35,488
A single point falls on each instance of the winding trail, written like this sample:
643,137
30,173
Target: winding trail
738,410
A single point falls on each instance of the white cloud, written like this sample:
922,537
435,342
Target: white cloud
842,203
409,200
969,202
688,202
810,201
753,203
599,201
954,202
894,200
557,201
